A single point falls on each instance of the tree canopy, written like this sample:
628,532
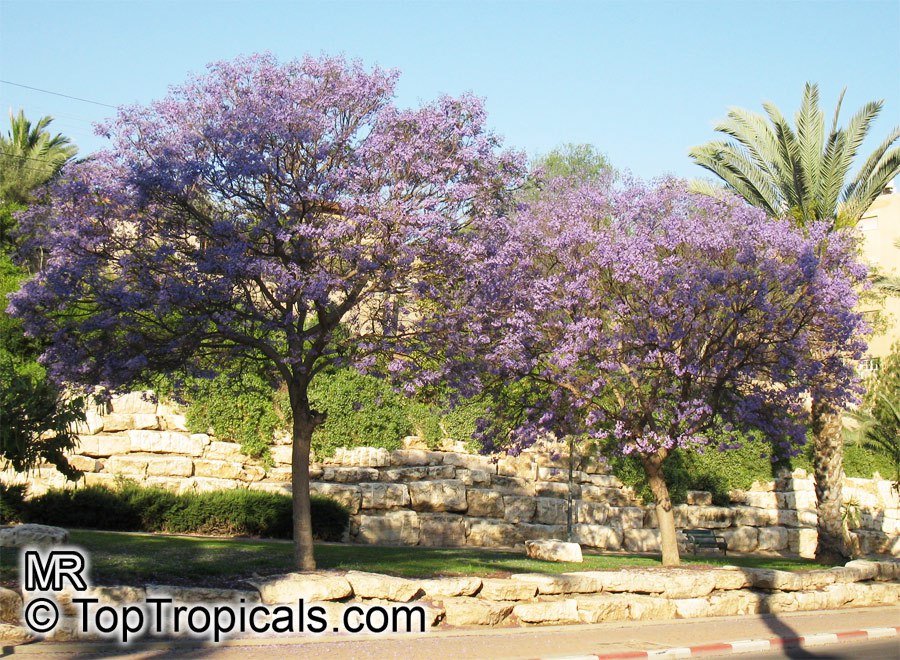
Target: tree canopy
276,212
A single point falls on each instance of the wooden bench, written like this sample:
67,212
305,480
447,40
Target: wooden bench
705,538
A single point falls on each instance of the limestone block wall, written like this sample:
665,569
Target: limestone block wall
437,498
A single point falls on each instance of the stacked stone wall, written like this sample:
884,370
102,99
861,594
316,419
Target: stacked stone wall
437,498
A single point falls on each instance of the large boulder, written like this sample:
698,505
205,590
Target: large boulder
10,606
384,587
392,527
21,536
445,495
553,550
292,587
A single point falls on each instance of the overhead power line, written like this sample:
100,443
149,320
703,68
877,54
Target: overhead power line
47,91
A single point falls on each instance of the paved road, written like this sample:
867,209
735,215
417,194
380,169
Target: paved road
510,643
879,649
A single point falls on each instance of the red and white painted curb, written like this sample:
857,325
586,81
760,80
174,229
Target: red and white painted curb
745,646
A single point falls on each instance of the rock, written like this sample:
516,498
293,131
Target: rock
201,594
349,496
217,469
550,511
519,509
127,466
406,457
563,583
16,634
484,504
385,587
132,403
362,457
646,608
535,532
641,540
701,497
741,539
703,517
21,536
627,517
502,590
309,586
552,489
449,587
124,422
492,534
553,550
445,495
102,446
549,612
602,608
10,606
590,513
85,463
92,424
349,475
383,496
281,454
730,578
512,485
407,617
168,442
691,608
772,538
475,611
803,542
225,451
473,477
470,462
391,527
442,530
598,536
174,466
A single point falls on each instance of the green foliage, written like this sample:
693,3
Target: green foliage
361,410
12,503
130,507
879,418
37,421
239,407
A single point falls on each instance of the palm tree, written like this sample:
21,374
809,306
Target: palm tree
29,157
804,174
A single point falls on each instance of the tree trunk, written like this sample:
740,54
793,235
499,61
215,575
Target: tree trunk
833,545
665,516
303,427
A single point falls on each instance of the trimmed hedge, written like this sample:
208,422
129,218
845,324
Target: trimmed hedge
136,508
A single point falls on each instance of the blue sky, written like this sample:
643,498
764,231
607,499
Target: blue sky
642,81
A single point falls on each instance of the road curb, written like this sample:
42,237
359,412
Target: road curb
745,645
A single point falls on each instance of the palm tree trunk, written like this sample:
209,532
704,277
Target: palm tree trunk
833,544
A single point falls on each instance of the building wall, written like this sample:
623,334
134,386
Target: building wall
880,227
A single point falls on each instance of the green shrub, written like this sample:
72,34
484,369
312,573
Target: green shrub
12,503
131,507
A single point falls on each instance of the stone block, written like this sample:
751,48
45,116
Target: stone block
174,466
217,469
601,608
442,530
362,457
803,542
603,537
349,475
583,582
85,463
470,462
280,487
143,402
512,485
534,532
550,511
741,539
444,495
484,503
519,509
281,454
626,517
505,590
168,442
699,497
224,451
389,528
703,517
124,422
292,587
475,611
552,489
449,587
641,540
20,536
92,424
102,446
491,533
349,496
549,612
650,608
384,587
411,457
384,495
10,606
591,513
473,477
210,484
772,538
127,466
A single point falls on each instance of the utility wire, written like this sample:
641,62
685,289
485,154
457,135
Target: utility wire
47,91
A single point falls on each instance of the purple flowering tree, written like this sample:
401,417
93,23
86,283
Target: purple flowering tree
281,213
649,316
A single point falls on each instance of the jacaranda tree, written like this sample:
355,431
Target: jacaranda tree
649,316
265,211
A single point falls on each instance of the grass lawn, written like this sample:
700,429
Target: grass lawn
122,558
